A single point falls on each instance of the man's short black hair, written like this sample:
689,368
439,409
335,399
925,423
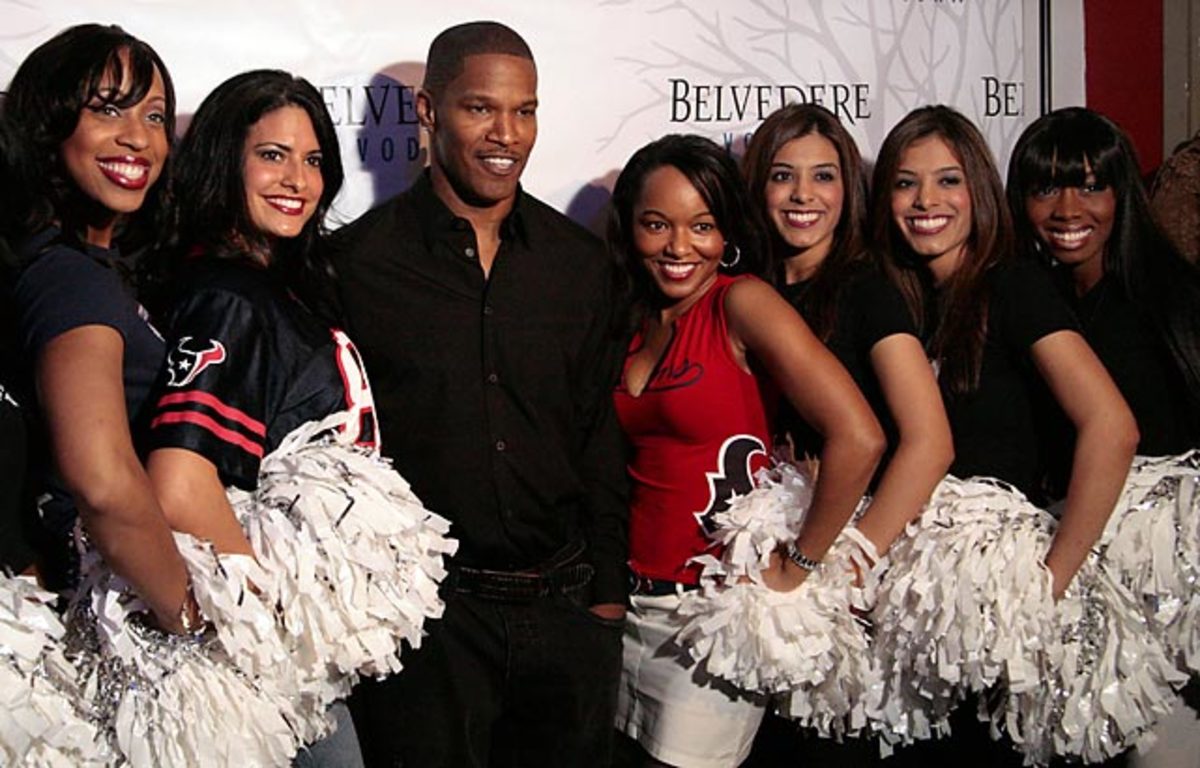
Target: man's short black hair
449,50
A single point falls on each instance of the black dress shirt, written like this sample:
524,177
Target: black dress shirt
494,394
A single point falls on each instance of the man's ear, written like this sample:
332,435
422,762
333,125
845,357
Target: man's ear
425,111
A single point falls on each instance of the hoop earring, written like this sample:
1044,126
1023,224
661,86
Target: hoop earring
737,256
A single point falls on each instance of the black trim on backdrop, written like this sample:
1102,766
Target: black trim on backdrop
1044,52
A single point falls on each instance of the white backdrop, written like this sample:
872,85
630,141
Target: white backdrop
613,73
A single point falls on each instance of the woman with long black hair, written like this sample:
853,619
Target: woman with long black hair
87,125
1078,201
262,439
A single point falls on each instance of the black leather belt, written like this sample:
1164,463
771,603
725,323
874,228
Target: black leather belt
644,585
562,571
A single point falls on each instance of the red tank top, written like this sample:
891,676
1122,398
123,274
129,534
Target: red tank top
698,432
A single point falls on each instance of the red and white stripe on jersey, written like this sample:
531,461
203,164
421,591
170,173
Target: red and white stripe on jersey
222,420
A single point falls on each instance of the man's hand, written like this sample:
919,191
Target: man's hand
610,611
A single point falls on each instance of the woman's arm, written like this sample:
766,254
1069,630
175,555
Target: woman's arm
81,389
925,448
765,327
193,498
1106,436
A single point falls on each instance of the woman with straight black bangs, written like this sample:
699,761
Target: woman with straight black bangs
79,69
1078,201
707,336
89,117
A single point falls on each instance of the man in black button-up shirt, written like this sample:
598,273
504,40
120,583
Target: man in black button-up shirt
483,317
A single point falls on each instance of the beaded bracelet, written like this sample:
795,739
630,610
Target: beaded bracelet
800,559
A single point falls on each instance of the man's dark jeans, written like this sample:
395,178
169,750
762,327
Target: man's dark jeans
499,683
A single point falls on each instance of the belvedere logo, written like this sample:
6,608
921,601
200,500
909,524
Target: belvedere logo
742,102
384,111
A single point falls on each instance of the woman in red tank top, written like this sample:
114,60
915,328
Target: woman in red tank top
707,333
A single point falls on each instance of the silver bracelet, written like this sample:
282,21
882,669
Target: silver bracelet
800,559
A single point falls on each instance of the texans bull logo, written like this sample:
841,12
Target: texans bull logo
185,363
735,476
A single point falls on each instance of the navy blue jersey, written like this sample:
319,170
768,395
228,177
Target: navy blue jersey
247,363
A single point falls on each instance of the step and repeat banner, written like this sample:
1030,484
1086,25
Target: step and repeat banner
613,74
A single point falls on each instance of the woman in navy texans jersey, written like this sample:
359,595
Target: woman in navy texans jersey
248,358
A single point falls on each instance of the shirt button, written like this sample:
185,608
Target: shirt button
487,309
492,378
469,253
501,445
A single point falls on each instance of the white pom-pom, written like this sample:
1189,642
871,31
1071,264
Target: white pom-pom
173,700
45,721
807,644
965,601
1152,546
355,557
345,571
967,608
758,523
1103,684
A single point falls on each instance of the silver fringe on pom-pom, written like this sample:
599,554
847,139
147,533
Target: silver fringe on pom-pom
967,608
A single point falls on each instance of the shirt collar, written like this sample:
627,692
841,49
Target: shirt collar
437,220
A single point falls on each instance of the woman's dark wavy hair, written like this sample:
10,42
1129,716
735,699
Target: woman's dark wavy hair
714,174
49,91
208,198
962,303
823,290
1058,150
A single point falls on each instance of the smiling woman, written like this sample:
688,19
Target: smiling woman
256,372
88,121
1077,198
691,403
116,154
282,172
